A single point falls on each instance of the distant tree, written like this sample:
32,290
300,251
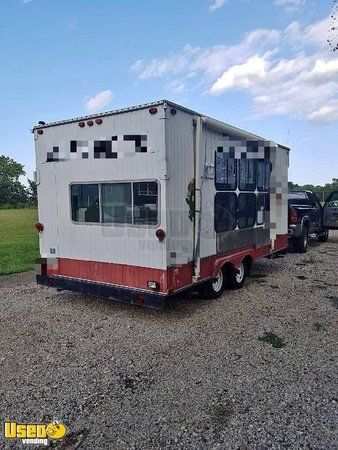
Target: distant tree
32,192
322,192
12,192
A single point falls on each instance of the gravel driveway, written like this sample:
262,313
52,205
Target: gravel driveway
195,376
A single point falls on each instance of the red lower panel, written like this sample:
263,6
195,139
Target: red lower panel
170,280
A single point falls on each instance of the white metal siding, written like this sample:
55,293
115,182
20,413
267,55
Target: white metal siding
132,245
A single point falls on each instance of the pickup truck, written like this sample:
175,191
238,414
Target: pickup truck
308,217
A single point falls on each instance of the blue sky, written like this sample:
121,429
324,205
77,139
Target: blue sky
262,65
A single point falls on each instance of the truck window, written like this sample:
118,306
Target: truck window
247,174
246,210
263,175
116,203
225,211
85,203
298,198
225,173
145,197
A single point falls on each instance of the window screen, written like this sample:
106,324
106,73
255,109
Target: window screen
85,203
246,210
247,174
145,202
225,173
116,203
263,175
225,211
263,205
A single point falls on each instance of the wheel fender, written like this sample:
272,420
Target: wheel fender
306,222
234,260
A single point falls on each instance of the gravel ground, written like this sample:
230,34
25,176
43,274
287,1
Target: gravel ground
195,376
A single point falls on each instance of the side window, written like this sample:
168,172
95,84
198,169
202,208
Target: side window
263,175
246,210
225,211
247,174
116,203
85,202
225,173
145,202
263,205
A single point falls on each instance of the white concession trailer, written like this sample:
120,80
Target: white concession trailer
140,203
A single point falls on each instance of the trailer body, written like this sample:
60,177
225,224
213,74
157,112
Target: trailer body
140,203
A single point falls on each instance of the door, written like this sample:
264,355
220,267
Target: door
316,212
330,214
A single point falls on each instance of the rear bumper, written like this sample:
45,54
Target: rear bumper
121,294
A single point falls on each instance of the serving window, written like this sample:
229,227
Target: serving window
85,202
120,203
247,174
263,174
225,211
246,210
263,205
225,173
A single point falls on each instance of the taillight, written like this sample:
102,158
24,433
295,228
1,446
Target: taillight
293,216
160,234
39,226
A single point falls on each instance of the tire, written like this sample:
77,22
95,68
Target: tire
213,288
300,244
238,275
324,236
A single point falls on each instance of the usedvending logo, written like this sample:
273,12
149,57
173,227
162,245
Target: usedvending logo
33,433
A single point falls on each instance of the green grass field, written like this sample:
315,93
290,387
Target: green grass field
19,240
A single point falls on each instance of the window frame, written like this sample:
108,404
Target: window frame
254,161
266,197
268,164
220,193
255,215
99,197
225,189
112,224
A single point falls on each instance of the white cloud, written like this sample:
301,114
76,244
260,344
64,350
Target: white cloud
241,76
26,1
99,101
216,5
303,84
314,34
289,5
326,114
212,61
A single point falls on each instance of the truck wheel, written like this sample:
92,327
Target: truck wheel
324,236
213,288
300,244
238,276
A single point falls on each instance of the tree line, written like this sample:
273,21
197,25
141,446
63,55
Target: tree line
322,192
14,194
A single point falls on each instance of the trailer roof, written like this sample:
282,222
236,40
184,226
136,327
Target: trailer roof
146,106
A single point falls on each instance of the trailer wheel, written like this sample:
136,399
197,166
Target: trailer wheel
238,275
213,288
300,244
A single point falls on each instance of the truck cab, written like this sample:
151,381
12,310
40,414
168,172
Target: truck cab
308,217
